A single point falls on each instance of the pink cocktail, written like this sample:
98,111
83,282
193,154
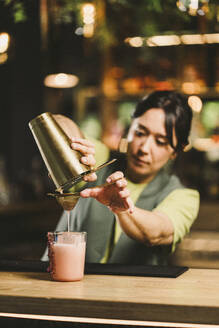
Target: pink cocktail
67,255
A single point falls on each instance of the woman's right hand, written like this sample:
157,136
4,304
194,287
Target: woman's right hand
113,194
87,149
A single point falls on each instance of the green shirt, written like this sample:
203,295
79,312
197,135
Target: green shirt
181,205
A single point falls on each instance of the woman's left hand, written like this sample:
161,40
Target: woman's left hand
113,194
78,142
87,150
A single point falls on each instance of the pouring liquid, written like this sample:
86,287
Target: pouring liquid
68,218
67,207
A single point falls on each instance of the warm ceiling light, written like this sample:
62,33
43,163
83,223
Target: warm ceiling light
88,9
173,40
193,4
88,30
136,42
192,39
88,17
211,38
3,58
163,40
88,12
61,80
4,42
191,87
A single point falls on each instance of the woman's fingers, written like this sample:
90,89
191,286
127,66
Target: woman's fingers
121,183
115,177
124,193
83,145
82,148
90,177
90,192
88,160
82,141
86,148
114,195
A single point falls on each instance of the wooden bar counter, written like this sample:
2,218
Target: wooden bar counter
190,300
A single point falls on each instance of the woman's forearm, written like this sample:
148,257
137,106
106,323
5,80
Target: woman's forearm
151,228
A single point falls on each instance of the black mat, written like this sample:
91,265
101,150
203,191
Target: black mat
97,268
23,266
135,270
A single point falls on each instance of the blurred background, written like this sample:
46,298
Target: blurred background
92,61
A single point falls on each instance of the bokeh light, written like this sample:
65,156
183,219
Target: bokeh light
61,80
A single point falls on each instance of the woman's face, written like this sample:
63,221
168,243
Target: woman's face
149,149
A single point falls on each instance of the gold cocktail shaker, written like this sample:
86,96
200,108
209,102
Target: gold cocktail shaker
63,163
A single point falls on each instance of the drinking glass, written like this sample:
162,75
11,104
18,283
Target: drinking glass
66,255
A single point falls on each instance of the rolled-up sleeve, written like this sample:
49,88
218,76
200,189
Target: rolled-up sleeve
181,206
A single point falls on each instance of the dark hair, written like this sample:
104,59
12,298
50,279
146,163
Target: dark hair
178,114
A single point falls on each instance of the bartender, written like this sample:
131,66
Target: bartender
135,211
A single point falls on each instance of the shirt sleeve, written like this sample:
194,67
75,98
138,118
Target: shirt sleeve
181,206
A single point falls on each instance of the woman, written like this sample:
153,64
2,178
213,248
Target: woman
142,211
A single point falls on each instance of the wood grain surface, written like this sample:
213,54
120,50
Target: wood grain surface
193,297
